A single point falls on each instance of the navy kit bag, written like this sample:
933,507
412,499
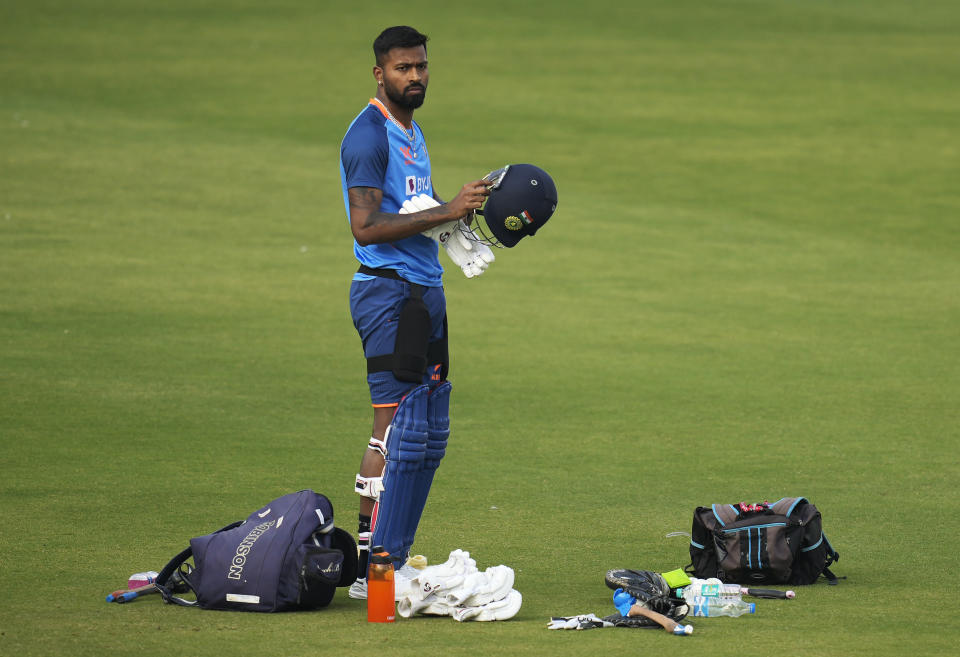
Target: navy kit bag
778,543
285,556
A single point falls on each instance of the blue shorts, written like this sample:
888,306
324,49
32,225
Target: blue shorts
375,305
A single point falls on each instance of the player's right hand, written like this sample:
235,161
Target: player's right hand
471,197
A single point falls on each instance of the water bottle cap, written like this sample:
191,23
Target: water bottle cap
753,607
380,558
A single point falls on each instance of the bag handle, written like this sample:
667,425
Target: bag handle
174,565
164,576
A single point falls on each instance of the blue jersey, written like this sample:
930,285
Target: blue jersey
376,152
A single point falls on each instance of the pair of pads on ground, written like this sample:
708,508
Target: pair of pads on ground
457,588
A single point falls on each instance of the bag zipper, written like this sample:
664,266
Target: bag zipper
752,527
749,529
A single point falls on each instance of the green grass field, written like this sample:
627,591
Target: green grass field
750,289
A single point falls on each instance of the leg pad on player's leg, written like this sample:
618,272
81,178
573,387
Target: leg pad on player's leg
438,431
406,441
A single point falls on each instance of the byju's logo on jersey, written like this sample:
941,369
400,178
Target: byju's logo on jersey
417,185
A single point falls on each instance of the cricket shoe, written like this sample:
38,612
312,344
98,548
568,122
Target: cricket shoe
358,590
401,578
401,584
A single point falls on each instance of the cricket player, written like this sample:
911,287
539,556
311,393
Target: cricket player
396,298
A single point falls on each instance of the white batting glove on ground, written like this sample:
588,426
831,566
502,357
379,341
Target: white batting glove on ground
458,240
581,622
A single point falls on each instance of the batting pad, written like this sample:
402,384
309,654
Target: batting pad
438,430
406,440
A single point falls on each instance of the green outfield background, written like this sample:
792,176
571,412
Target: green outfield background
750,289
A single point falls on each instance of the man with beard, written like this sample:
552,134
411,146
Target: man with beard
396,298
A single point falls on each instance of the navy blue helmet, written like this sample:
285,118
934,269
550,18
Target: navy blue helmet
522,198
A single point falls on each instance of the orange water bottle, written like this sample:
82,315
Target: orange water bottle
381,605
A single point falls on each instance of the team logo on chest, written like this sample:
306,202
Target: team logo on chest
409,155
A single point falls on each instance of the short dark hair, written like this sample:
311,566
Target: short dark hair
400,36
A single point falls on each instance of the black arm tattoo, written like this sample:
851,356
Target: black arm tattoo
371,226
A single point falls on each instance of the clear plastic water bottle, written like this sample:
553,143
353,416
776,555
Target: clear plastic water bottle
717,606
708,588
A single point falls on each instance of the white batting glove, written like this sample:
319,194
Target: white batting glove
466,251
457,238
419,203
581,622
